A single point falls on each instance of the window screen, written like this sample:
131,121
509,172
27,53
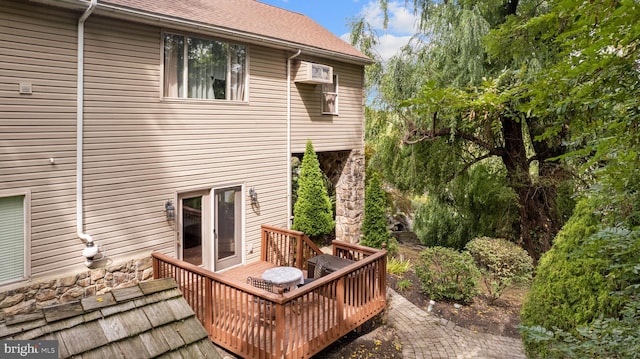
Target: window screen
12,239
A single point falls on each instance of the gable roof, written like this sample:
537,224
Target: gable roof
143,321
244,20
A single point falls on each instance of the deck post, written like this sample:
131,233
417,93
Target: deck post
263,248
340,305
299,253
382,268
155,262
280,330
208,304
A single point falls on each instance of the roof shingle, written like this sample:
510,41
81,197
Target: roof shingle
248,17
148,320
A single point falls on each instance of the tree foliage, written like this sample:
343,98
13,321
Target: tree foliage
475,204
587,287
448,105
312,210
552,93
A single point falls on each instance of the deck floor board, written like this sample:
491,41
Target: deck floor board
240,273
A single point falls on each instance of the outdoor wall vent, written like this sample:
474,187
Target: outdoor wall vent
25,88
312,73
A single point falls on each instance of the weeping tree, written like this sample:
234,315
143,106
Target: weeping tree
476,204
451,102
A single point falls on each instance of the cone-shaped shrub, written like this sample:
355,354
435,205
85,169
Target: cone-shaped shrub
374,226
312,211
574,283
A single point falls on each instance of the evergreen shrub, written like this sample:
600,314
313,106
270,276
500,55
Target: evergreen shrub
573,286
374,226
312,211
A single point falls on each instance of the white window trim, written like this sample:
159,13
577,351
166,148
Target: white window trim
337,93
27,231
185,78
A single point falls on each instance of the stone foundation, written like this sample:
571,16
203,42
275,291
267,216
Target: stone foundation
75,287
345,169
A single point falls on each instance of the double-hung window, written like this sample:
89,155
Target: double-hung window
201,68
13,239
330,97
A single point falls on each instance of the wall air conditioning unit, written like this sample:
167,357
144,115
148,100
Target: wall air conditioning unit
312,73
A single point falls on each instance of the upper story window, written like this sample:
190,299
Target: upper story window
330,97
204,68
13,239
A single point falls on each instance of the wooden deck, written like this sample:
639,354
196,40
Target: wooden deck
254,323
240,274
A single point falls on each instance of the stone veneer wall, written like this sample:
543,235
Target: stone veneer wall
40,294
350,198
346,171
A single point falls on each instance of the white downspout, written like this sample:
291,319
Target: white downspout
89,249
289,185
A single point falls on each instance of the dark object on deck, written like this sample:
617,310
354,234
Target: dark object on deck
323,264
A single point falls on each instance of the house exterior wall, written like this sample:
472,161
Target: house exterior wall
329,132
141,149
39,47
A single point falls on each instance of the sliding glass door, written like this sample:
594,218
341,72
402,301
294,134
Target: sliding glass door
193,222
227,227
210,228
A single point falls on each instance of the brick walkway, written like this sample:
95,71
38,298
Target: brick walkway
426,336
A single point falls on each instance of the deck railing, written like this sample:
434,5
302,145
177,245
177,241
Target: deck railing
284,247
253,323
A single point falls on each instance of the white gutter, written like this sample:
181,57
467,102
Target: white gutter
79,129
289,184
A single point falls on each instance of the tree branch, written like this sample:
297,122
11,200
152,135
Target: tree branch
469,164
424,135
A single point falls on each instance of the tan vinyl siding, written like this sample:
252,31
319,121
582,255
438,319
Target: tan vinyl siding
328,132
141,149
37,46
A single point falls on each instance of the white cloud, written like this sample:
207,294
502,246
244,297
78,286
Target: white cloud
402,21
390,44
402,25
373,15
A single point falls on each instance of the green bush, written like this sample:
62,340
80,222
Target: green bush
312,211
501,263
574,284
617,338
447,274
374,226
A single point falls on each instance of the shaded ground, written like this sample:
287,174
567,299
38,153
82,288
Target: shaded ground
378,340
374,340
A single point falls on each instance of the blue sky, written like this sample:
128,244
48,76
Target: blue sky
336,14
